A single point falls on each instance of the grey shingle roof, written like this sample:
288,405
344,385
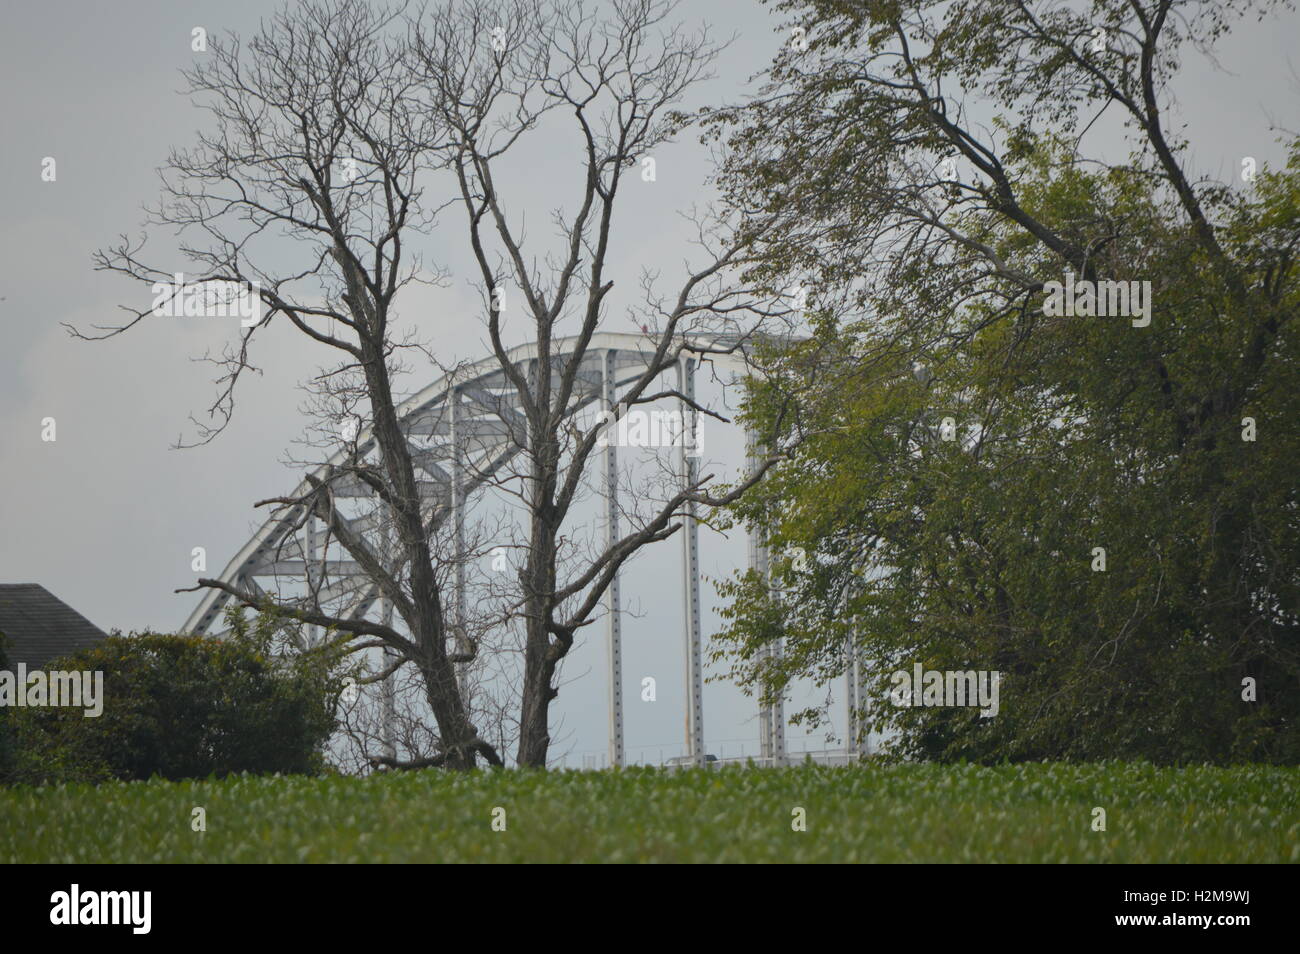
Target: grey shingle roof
40,626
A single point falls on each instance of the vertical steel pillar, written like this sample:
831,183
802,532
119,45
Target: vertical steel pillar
388,691
758,562
864,704
777,713
614,622
771,718
852,698
314,633
457,489
691,571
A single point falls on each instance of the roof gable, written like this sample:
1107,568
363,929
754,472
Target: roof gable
40,627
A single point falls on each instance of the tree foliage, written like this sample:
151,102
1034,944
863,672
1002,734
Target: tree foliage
184,707
929,237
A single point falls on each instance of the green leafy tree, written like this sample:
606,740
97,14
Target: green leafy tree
186,707
972,458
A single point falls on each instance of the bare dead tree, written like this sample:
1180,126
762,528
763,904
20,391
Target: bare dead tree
312,162
329,132
614,80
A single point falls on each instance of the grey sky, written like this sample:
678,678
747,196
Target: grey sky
106,516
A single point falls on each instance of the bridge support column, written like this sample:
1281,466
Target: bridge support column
315,634
614,620
690,568
777,713
460,637
387,690
771,718
854,738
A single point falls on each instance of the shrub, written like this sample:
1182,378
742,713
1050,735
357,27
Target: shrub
182,707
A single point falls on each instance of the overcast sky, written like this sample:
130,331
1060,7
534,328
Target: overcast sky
107,515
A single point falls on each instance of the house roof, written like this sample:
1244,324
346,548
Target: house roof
40,626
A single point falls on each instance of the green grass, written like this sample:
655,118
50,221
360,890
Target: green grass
1038,813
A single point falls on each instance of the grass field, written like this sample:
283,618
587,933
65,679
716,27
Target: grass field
1039,813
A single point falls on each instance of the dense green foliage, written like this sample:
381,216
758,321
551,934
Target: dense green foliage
182,707
1023,813
975,547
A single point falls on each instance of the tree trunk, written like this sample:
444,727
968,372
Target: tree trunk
534,725
540,658
458,736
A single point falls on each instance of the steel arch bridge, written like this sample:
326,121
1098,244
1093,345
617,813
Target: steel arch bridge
462,430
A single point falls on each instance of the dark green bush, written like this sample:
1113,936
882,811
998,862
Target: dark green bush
182,707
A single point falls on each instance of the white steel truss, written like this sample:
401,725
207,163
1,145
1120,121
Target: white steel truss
462,430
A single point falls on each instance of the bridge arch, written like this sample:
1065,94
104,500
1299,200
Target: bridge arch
462,429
